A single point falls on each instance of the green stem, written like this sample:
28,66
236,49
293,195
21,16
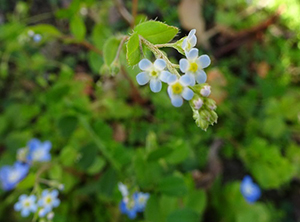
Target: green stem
159,54
165,45
99,143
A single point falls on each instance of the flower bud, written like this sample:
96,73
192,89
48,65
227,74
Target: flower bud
205,91
50,215
198,103
211,104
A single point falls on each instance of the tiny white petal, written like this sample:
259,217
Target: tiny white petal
142,78
204,61
184,43
201,77
160,64
176,100
192,33
183,65
164,75
192,78
155,85
185,80
172,78
193,41
187,93
192,54
145,64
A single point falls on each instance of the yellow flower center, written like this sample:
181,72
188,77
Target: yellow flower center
26,204
154,73
177,88
193,67
48,200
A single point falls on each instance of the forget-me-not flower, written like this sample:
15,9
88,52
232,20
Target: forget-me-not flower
193,66
140,200
153,72
123,189
26,204
39,151
10,176
178,89
190,41
129,207
48,201
250,190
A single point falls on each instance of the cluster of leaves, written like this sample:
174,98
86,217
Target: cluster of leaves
105,130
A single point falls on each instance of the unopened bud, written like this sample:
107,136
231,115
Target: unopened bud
50,215
198,103
211,104
205,91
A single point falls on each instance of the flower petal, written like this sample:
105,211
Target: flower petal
176,100
193,41
164,75
171,79
25,212
184,43
145,64
203,61
185,80
155,85
187,93
192,78
142,78
160,64
192,54
201,77
183,65
18,206
54,193
191,33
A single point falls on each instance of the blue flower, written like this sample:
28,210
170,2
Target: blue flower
190,41
250,190
140,200
193,66
154,73
39,151
26,204
178,89
48,201
129,207
10,176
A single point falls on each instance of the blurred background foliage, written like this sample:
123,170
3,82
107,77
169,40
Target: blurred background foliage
105,129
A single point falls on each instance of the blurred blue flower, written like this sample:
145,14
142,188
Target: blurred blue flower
250,190
129,207
37,38
39,151
140,200
10,176
26,204
48,201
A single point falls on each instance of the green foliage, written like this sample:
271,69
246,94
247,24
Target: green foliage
106,130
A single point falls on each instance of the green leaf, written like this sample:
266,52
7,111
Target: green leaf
159,153
99,34
95,61
110,50
55,172
67,125
152,211
89,154
28,182
196,200
173,186
133,53
186,215
180,152
156,32
77,27
45,29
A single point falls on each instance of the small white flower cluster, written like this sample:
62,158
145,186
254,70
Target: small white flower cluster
44,205
179,86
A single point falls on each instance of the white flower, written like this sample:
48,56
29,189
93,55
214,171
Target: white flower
26,204
198,103
190,41
193,66
48,200
123,189
205,91
178,89
154,73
